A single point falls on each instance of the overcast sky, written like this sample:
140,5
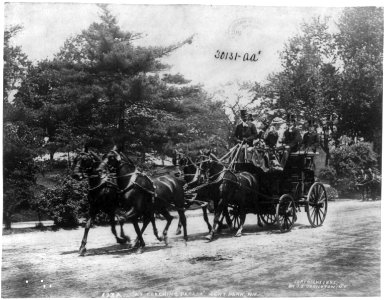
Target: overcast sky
241,29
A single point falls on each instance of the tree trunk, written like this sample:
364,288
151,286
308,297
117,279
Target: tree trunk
326,148
121,127
7,220
327,157
68,159
143,156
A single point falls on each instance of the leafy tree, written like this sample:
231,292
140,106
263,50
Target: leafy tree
15,63
18,168
309,84
19,140
103,87
360,50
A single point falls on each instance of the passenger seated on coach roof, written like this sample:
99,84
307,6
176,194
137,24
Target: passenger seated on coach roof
271,138
272,135
311,138
292,139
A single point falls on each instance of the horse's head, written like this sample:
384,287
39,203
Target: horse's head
114,161
209,165
84,164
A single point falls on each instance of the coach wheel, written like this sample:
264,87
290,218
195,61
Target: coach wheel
285,213
234,214
316,206
268,219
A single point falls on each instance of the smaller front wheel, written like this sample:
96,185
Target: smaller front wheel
268,219
285,213
234,214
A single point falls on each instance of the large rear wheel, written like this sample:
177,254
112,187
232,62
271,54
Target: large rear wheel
285,213
317,203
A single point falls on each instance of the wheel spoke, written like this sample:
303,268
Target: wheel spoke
312,212
321,197
286,223
319,217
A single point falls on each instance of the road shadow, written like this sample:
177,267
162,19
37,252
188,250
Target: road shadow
119,250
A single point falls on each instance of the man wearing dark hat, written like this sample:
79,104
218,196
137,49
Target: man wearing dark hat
292,139
311,137
245,131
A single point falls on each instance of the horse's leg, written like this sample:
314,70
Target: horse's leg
217,214
181,213
206,219
113,230
139,237
178,231
227,217
123,235
155,230
146,221
82,248
242,221
169,219
243,214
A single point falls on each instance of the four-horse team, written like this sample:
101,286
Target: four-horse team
262,174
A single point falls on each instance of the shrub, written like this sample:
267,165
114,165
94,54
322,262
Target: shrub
328,175
332,193
347,162
66,203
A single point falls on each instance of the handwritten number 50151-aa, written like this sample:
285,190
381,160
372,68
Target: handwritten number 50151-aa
237,56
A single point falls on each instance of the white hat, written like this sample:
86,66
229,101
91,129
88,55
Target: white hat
277,120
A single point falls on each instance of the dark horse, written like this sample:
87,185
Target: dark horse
102,194
228,188
193,178
142,196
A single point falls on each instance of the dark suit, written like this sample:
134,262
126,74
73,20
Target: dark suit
249,133
271,139
293,139
311,140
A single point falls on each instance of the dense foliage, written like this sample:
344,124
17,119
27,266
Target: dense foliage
346,162
66,203
334,78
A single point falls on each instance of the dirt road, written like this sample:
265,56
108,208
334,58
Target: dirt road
341,258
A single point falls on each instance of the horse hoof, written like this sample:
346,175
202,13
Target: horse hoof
166,241
209,237
82,251
140,250
121,241
137,244
178,232
238,234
